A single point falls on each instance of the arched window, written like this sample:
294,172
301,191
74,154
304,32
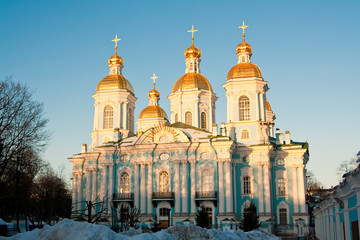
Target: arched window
206,181
188,118
244,108
164,182
176,118
124,183
108,117
245,134
247,185
203,120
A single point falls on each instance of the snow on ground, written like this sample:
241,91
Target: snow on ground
67,229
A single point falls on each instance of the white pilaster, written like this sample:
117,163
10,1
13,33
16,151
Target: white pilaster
93,197
257,106
125,115
262,109
301,188
261,188
295,190
103,181
74,190
196,114
88,177
184,188
267,188
149,190
142,189
111,186
136,188
193,183
79,189
221,187
229,192
337,222
177,188
347,220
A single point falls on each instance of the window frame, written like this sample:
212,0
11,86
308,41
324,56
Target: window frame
108,118
244,108
188,118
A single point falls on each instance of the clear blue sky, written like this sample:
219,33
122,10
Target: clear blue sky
308,51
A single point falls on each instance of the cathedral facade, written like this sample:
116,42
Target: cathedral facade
172,165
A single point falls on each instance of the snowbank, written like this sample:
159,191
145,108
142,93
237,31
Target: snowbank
67,229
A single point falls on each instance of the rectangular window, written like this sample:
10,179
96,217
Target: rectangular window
281,187
283,216
247,185
164,212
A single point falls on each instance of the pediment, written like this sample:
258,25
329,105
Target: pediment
162,134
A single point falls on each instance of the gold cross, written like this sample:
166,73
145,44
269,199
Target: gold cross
243,27
154,77
192,33
116,40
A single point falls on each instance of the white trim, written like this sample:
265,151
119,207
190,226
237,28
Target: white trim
247,171
209,205
203,168
162,204
121,171
167,169
282,204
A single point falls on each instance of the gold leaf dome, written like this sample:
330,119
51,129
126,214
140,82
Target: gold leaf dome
268,106
244,47
244,70
153,111
154,93
192,81
115,59
112,82
192,51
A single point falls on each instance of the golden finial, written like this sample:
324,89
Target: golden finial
243,28
192,33
154,77
116,40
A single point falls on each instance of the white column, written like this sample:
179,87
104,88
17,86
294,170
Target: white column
347,220
257,106
193,189
295,190
111,187
74,186
267,188
103,181
124,115
88,197
149,190
301,188
96,116
142,189
221,187
93,197
177,188
232,108
118,116
229,192
262,109
136,187
79,189
184,188
261,188
337,222
332,230
228,107
196,115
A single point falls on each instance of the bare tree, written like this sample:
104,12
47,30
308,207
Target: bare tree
345,166
93,212
22,123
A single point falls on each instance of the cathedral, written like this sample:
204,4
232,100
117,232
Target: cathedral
170,166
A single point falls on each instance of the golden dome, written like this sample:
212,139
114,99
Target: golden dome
192,51
192,81
112,82
268,106
115,59
243,47
154,93
153,111
244,70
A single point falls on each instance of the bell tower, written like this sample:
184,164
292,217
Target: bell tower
114,105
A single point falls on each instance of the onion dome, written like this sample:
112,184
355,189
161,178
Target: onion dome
192,81
115,59
192,52
154,93
244,70
153,111
268,106
113,82
244,47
